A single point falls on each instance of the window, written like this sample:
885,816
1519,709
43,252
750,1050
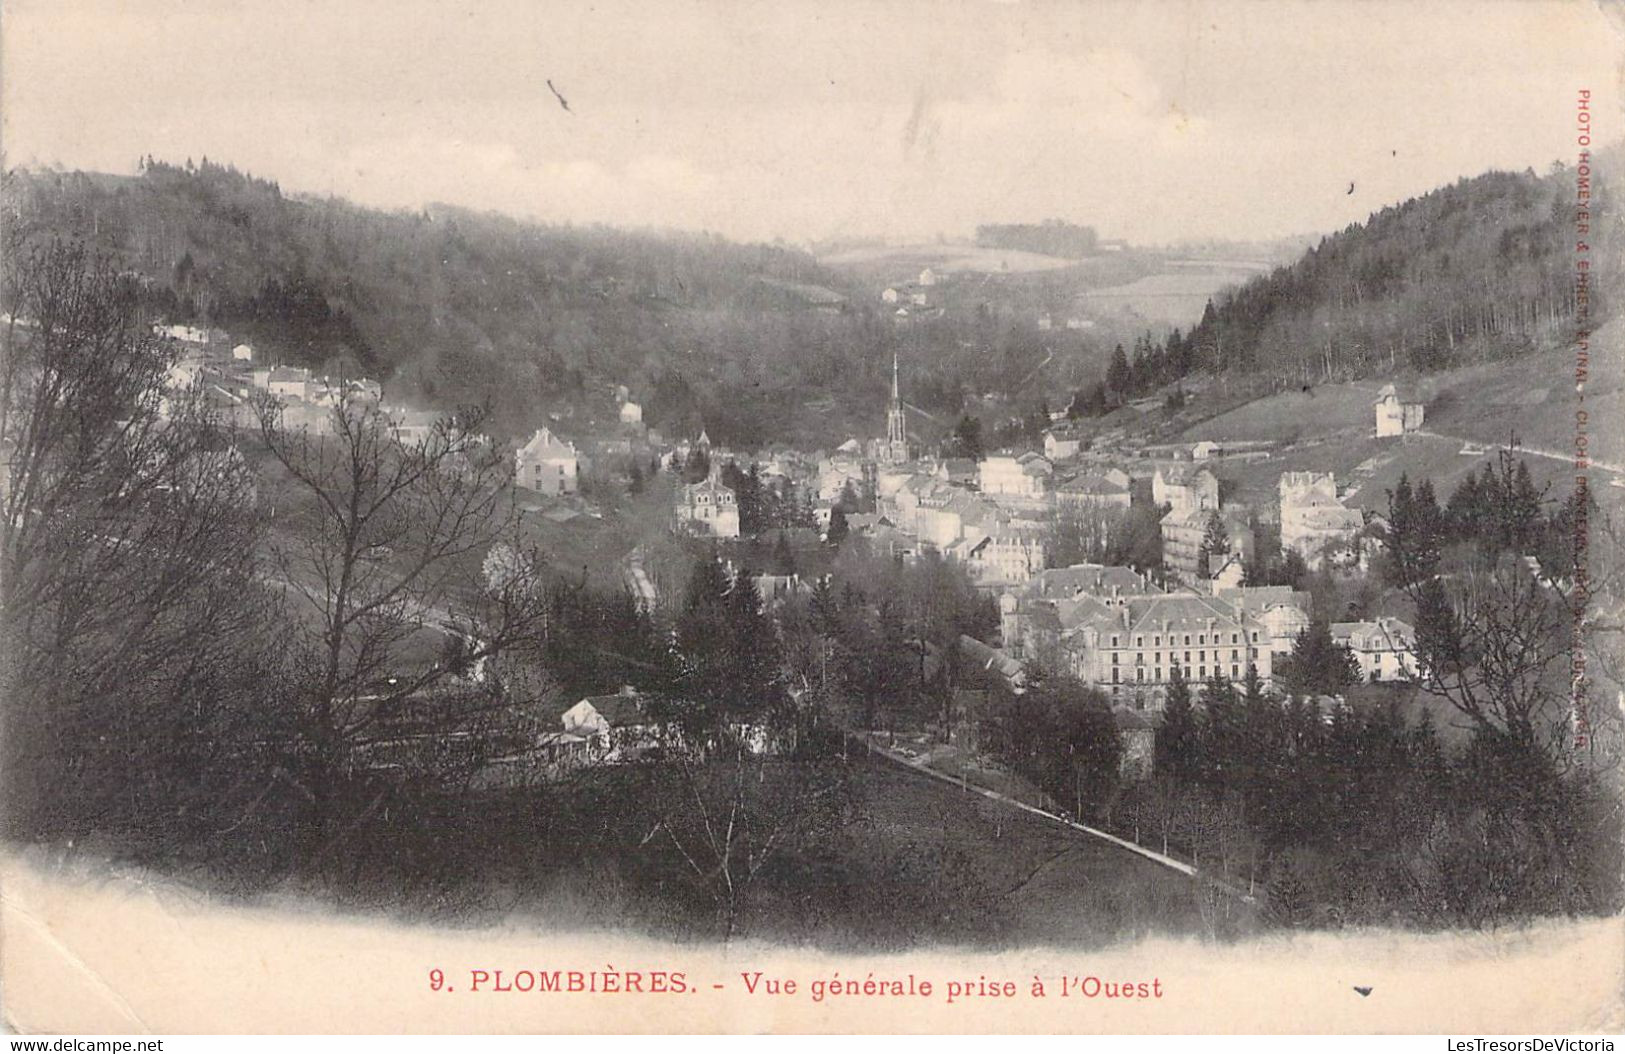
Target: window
1235,653
1156,674
1114,640
1252,653
1235,671
1114,658
1232,638
1201,638
1187,640
1139,642
1156,656
1139,675
1114,677
1201,671
1139,658
1157,641
1255,636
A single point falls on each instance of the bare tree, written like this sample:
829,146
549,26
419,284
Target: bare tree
725,809
383,544
1494,634
128,598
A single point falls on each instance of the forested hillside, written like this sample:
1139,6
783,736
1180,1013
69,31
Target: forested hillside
447,305
1478,270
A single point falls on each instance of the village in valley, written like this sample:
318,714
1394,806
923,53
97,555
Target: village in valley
887,564
1129,630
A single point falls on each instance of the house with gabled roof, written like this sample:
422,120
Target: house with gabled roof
1185,529
1105,489
1004,554
547,464
1395,417
1022,476
618,726
708,507
991,665
1313,517
1061,443
1385,647
1184,489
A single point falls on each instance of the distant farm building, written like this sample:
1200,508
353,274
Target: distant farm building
1395,417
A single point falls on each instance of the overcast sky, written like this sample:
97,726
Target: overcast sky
802,120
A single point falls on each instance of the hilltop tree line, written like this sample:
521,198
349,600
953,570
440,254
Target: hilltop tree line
453,306
449,306
1477,270
1052,238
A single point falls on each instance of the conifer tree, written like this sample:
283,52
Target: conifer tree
837,526
1318,665
1178,749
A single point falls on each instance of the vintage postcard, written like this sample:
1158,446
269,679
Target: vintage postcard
1043,517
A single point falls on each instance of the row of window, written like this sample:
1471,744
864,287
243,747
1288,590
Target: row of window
1201,638
1156,673
1201,656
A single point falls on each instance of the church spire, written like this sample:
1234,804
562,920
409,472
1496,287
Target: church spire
896,449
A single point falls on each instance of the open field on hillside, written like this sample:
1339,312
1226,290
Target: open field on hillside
951,258
1535,397
1321,411
1374,467
1532,396
1175,297
1471,412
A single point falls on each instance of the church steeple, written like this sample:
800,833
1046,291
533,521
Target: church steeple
896,421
